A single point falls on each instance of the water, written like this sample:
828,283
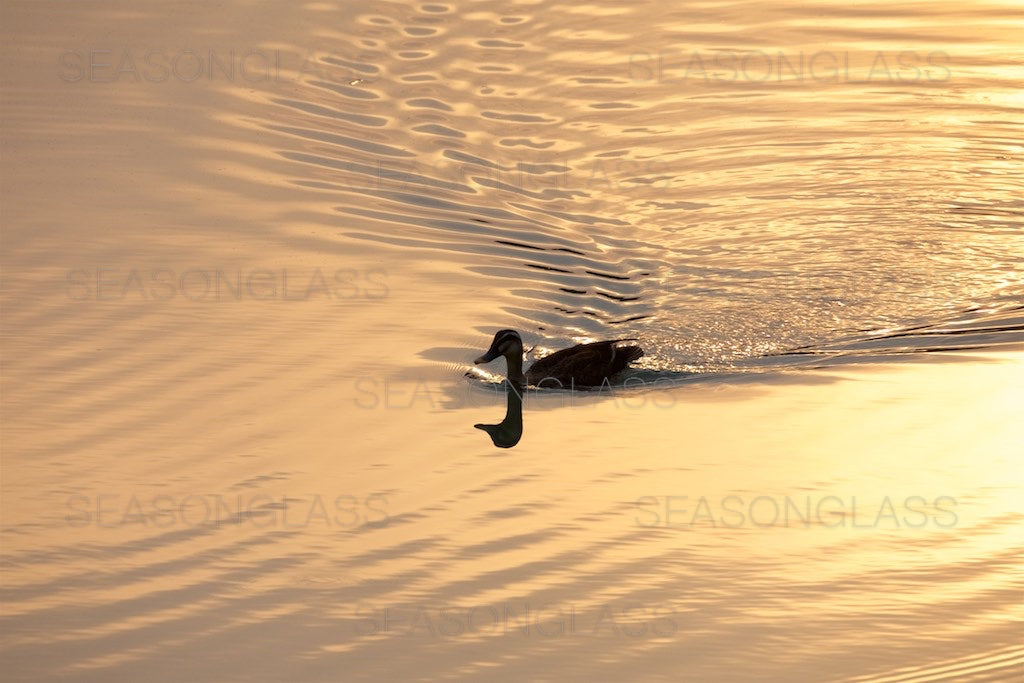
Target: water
250,253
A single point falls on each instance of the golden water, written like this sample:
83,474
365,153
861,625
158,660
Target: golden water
249,254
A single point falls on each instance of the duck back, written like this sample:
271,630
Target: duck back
584,364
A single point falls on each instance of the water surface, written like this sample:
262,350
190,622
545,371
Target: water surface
250,253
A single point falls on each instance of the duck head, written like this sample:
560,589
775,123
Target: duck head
509,344
505,343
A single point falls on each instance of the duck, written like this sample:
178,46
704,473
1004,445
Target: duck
583,365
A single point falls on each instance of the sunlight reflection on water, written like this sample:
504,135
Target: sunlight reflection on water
250,253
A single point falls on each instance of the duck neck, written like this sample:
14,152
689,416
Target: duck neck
515,367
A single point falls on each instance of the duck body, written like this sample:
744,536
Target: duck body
583,365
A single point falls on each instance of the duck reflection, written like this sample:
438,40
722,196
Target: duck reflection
507,433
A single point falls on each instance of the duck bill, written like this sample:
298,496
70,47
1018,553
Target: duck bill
487,357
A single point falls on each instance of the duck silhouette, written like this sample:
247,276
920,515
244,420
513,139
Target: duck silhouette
583,365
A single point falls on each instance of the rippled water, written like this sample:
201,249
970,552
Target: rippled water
250,252
802,190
